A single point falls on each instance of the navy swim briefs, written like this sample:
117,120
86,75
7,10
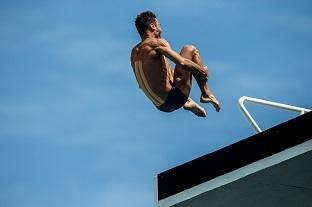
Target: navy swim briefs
175,100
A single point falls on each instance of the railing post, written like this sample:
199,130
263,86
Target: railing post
251,120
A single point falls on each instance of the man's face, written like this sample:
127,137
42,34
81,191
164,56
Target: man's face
157,29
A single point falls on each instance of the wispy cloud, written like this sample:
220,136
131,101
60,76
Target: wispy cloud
92,47
131,195
191,7
290,20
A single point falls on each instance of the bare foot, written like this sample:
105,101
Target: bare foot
193,107
211,99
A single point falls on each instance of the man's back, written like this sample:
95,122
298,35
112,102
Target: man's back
151,70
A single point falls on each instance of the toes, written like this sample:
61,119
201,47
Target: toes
218,108
200,112
211,99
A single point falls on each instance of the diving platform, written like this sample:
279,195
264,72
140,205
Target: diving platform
272,168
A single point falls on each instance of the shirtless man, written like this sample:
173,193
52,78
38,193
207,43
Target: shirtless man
167,89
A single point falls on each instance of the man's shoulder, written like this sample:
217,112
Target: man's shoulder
148,45
135,47
163,42
155,42
158,43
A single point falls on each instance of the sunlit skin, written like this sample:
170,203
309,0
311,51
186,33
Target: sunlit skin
154,51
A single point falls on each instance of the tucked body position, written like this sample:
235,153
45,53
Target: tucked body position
168,89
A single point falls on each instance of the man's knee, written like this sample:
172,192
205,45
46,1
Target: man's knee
189,51
189,48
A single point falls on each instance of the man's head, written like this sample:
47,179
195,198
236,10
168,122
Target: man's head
146,21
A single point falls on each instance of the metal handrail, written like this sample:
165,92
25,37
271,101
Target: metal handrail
266,103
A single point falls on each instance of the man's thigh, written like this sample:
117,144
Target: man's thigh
182,78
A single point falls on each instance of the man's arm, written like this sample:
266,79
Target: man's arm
186,64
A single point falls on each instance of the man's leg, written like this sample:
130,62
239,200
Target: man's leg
192,53
183,80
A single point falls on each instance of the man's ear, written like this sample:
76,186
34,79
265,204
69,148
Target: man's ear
152,26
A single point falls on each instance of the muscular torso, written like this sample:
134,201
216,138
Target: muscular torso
155,69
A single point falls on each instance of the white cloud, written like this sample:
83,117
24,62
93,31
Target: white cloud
86,46
127,195
293,21
185,7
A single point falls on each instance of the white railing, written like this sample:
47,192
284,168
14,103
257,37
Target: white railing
243,99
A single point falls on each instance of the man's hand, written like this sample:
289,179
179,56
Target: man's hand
187,64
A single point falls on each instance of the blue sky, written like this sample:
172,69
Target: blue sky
75,130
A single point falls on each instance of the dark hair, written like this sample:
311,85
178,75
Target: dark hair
143,21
